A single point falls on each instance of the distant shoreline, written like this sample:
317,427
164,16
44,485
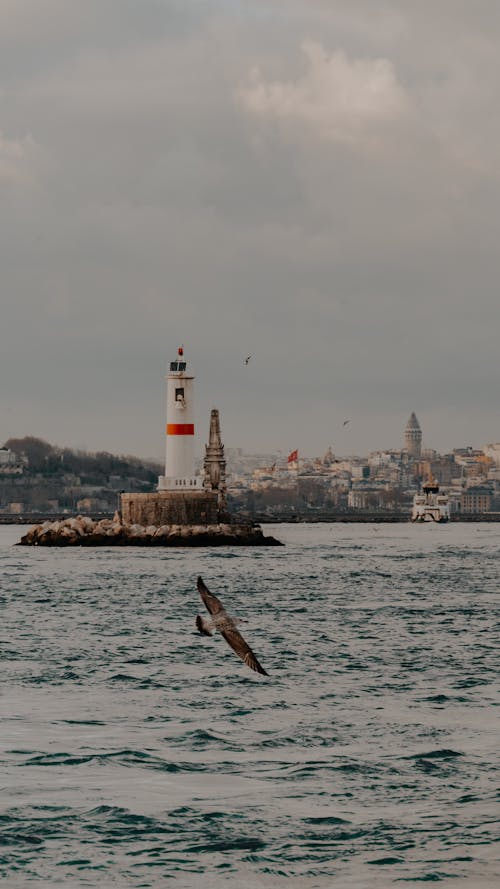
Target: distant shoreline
361,518
371,518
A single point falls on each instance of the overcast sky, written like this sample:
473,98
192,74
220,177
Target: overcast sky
313,182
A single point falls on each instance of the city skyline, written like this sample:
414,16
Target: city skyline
281,454
314,186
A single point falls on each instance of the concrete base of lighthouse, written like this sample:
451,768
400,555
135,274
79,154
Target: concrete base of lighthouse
171,508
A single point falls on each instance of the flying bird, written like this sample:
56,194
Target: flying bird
247,359
226,625
346,422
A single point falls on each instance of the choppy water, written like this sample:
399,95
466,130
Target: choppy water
133,751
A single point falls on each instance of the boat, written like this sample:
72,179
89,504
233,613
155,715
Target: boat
429,505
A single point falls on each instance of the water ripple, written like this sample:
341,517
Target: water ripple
134,751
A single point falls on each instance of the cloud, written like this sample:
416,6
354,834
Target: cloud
346,197
339,98
15,160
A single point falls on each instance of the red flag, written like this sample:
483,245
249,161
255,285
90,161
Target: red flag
293,457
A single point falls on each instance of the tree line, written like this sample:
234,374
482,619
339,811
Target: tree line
51,461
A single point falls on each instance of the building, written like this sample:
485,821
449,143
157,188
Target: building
493,452
184,496
89,505
413,437
179,455
10,463
443,469
473,466
476,500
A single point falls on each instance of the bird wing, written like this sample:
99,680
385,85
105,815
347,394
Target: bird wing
202,626
210,601
238,644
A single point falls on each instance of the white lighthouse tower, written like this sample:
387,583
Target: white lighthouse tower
179,462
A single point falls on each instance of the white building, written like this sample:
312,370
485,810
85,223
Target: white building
7,457
10,463
179,459
493,451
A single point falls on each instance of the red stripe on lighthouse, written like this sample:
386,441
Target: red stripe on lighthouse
180,428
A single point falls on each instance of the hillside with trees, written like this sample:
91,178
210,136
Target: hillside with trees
58,479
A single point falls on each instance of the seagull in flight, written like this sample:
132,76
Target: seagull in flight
247,359
226,626
346,422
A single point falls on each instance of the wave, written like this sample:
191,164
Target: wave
130,758
442,754
368,758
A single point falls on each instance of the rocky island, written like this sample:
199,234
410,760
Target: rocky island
84,531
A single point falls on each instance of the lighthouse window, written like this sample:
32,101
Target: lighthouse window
173,365
182,365
179,394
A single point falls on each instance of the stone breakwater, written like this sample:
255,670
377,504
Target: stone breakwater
84,531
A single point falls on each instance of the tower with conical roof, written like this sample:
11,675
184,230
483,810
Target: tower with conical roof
413,437
215,463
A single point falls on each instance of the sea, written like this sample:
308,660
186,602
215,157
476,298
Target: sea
135,752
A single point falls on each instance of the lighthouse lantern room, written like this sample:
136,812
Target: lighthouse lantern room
179,461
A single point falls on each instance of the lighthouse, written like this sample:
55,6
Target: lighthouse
179,460
182,497
186,509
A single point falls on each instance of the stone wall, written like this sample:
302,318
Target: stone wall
170,508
